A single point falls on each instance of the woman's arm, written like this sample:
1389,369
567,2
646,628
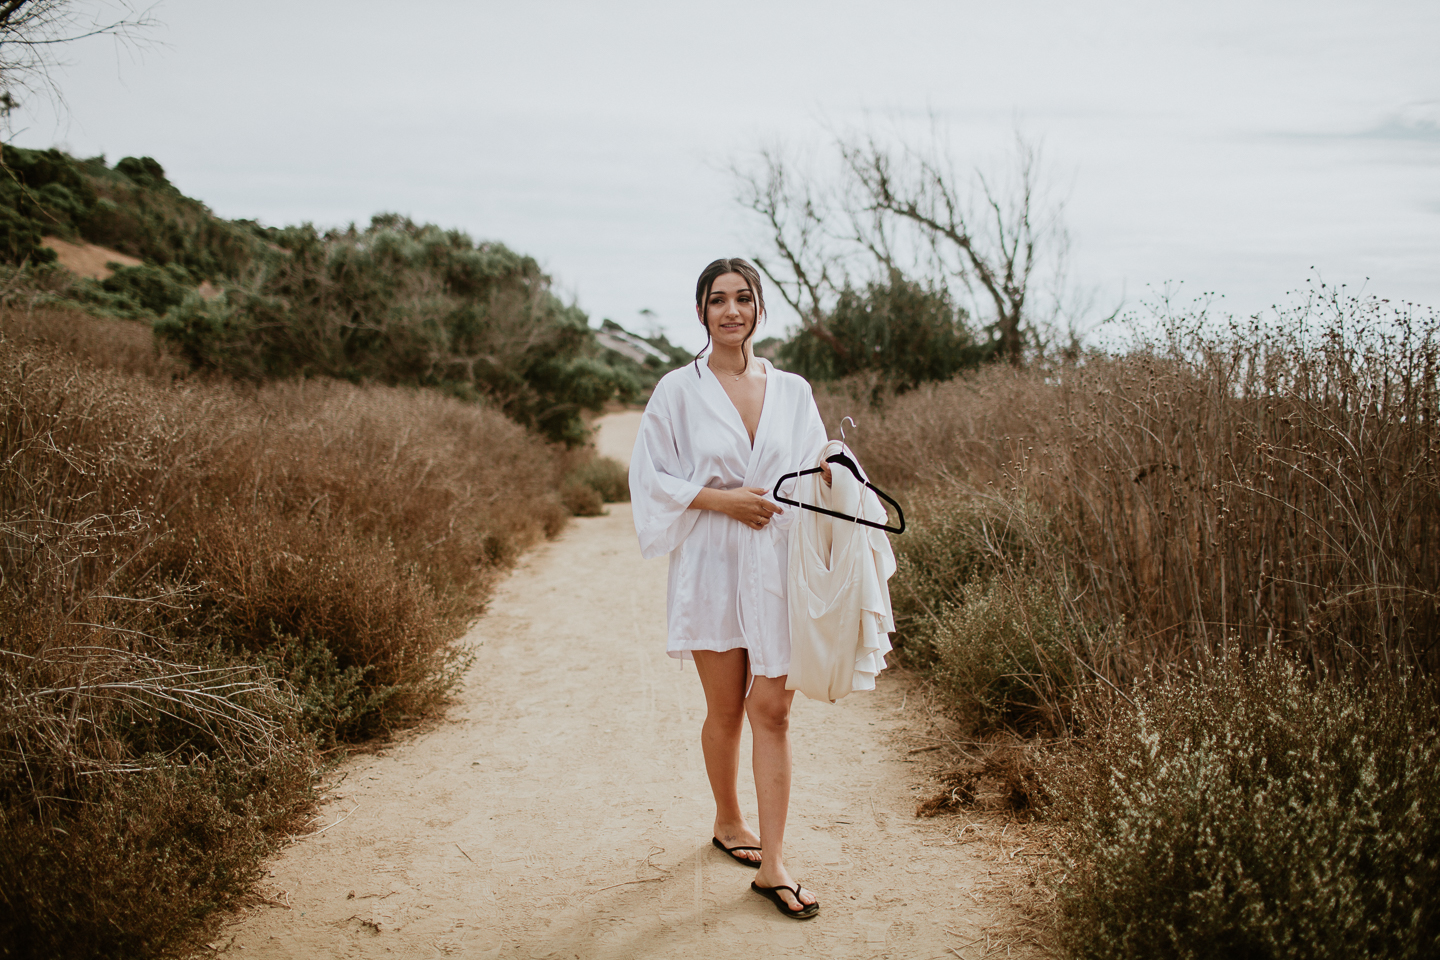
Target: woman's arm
747,504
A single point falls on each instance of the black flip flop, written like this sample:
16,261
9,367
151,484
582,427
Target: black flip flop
730,852
806,911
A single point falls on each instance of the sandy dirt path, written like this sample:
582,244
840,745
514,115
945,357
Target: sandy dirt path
561,809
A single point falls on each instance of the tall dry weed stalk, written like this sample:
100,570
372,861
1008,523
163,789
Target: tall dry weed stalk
1257,486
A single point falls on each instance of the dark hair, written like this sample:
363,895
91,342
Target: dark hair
719,268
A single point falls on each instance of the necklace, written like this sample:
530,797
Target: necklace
732,376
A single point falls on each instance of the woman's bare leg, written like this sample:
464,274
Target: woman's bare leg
724,676
768,708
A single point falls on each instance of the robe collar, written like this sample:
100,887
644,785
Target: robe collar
719,396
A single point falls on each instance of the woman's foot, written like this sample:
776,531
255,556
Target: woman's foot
741,855
783,886
735,838
786,902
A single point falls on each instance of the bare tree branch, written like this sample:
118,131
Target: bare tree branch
796,223
909,210
30,30
9,9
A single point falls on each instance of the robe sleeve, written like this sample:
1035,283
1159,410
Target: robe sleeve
660,494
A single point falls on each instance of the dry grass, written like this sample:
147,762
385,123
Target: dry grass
97,342
1210,566
202,583
1257,487
1003,778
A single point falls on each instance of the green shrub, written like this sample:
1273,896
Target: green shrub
137,790
1256,812
952,538
406,303
595,482
607,476
968,607
132,862
337,704
156,289
20,239
904,331
1003,654
397,302
112,225
145,292
145,171
131,207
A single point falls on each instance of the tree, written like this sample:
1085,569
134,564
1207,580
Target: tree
32,31
404,303
908,210
904,331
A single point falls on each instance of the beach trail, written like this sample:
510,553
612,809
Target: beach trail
560,808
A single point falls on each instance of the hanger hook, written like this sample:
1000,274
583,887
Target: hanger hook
842,426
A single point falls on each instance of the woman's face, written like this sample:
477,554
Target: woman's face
730,310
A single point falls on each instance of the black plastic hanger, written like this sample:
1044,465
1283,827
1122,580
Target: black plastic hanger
850,465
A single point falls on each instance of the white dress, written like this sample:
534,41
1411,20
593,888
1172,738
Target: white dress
727,585
840,619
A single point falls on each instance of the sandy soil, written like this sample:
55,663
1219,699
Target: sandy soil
615,434
561,809
87,259
93,261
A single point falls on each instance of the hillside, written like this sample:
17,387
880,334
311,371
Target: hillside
395,302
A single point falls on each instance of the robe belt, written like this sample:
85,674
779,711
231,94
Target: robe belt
759,572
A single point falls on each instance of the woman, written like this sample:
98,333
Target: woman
715,437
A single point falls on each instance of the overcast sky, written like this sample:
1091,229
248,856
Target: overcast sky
1226,146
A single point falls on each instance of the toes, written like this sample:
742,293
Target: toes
794,905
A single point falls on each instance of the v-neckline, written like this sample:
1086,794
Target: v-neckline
764,400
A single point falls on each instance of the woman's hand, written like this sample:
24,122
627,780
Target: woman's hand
747,504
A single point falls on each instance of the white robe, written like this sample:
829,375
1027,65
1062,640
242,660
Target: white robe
727,586
840,617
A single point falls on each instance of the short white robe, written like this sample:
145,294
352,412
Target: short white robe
727,586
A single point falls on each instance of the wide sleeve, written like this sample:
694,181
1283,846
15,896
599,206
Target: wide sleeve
660,491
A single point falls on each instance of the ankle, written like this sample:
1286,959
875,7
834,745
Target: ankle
772,871
725,828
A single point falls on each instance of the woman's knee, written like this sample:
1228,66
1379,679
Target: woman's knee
770,715
725,718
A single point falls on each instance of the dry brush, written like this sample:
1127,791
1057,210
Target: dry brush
1207,567
204,584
